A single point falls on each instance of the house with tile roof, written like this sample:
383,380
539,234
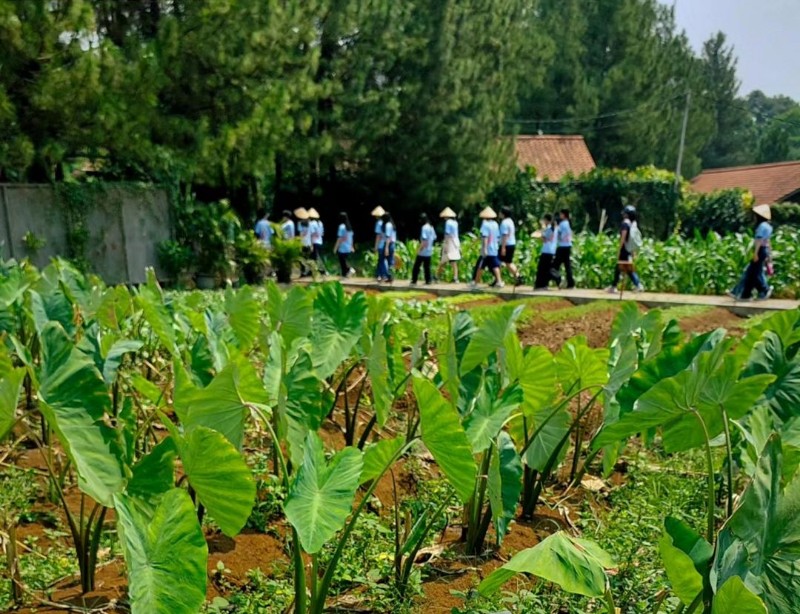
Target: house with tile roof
769,183
553,156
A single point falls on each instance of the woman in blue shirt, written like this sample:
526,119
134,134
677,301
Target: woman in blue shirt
754,275
451,246
317,231
377,213
490,248
388,236
344,244
427,236
544,270
564,247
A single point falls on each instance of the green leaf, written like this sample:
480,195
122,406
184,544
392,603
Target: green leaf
243,315
151,303
10,387
76,403
490,337
768,358
337,328
165,553
734,596
504,484
321,497
580,366
576,565
154,474
686,558
382,396
489,415
445,438
760,542
222,480
222,405
538,379
289,314
113,359
378,455
549,428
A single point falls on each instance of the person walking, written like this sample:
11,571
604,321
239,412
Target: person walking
317,232
344,244
301,214
629,243
508,243
287,226
490,247
264,230
564,248
544,269
427,237
377,213
386,249
451,246
754,278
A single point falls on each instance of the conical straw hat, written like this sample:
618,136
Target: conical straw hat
378,211
764,211
448,212
312,214
488,214
300,213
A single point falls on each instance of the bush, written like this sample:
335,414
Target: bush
723,212
786,214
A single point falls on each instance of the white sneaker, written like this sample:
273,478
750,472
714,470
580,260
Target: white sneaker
639,288
612,290
472,285
500,285
351,272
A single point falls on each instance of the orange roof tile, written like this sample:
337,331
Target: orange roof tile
553,156
769,183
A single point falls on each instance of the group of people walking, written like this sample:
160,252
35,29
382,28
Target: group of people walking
498,243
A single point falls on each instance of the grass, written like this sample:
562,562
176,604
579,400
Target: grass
574,313
681,312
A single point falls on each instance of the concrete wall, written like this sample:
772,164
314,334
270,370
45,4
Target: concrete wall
125,227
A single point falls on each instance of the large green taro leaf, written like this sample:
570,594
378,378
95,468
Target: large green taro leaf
580,366
10,386
220,477
489,414
576,565
243,315
760,542
504,483
686,558
76,403
153,474
734,596
548,429
165,553
290,314
490,337
768,357
321,497
338,326
379,375
445,438
377,456
537,377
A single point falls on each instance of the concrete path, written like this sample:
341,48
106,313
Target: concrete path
580,296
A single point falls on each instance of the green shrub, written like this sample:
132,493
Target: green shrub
723,212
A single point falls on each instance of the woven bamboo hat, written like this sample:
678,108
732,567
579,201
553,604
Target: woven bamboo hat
378,211
764,211
488,214
300,213
312,214
448,212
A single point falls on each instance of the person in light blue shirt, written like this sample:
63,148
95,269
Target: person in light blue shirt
490,248
386,244
344,244
316,230
544,270
264,230
451,246
762,242
287,226
427,237
508,242
564,247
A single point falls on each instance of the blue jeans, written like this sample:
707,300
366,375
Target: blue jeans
385,263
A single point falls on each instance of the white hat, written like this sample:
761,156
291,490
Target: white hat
448,212
378,211
488,214
312,214
764,211
300,213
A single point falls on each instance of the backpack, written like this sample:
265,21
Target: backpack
635,240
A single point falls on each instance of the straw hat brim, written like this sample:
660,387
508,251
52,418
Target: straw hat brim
378,211
447,212
488,213
764,211
301,213
313,214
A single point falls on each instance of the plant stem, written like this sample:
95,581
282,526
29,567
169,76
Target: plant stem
612,608
711,503
315,578
729,452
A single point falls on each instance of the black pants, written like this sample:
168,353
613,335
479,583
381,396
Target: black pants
754,278
425,263
564,256
545,272
316,254
625,256
343,264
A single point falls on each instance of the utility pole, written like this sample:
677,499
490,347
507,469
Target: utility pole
683,140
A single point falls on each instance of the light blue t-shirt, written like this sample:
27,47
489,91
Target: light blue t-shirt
346,243
564,234
304,228
317,231
508,230
379,227
451,228
389,234
287,228
490,231
764,231
427,234
549,241
264,232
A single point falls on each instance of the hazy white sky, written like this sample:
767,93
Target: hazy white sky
764,33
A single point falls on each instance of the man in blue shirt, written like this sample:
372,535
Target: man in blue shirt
264,230
451,247
287,225
508,242
490,248
564,247
427,236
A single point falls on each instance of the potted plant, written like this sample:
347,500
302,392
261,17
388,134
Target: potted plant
174,259
283,255
251,257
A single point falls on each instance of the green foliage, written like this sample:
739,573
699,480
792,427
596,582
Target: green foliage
723,212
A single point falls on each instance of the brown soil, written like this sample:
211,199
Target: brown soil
595,326
111,586
711,320
246,551
481,302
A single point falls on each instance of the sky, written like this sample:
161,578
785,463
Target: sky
765,35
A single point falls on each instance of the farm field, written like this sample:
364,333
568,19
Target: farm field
309,449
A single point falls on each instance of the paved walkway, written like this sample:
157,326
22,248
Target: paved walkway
580,296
